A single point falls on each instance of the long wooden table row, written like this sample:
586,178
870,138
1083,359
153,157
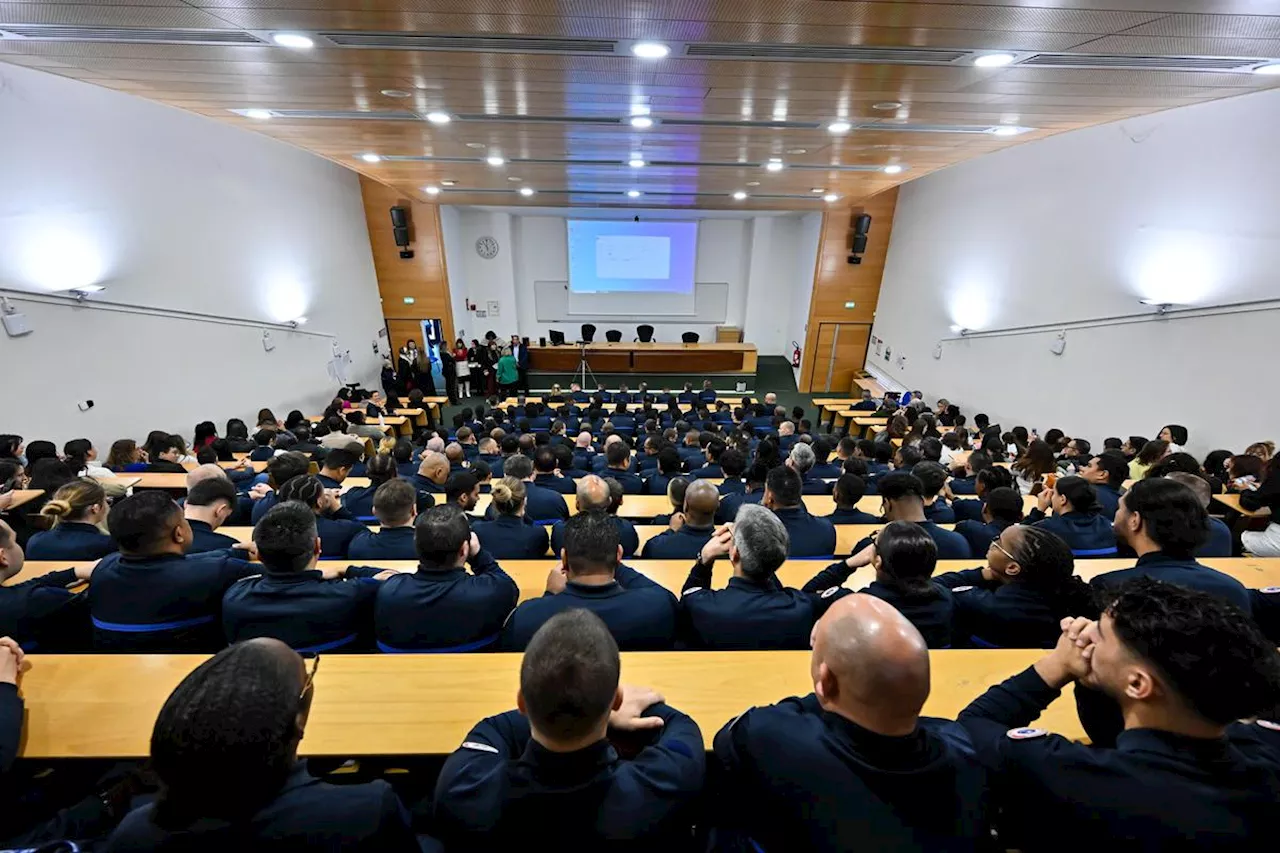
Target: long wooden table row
652,357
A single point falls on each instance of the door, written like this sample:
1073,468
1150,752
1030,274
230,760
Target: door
840,351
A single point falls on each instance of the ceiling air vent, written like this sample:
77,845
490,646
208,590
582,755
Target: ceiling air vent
488,44
345,115
1139,63
825,53
42,32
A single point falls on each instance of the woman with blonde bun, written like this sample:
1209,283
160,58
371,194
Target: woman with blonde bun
76,510
508,535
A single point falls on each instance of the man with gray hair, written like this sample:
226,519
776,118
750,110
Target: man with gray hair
755,611
801,459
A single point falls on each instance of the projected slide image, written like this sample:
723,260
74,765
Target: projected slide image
632,257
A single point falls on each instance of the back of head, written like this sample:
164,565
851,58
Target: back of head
286,537
761,540
283,468
592,494
508,496
669,461
1199,485
677,487
701,501
1079,493
440,534
72,501
1175,462
900,485
518,466
855,466
212,490
381,468
569,676
802,458
307,489
454,453
615,494
591,544
910,456
544,461
785,485
995,477
394,502
1152,452
339,458
226,739
1172,516
462,483
50,475
1210,656
932,477
908,556
618,454
75,453
1004,504
849,490
141,522
931,449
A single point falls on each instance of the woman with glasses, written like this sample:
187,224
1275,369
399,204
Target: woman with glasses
225,746
1019,598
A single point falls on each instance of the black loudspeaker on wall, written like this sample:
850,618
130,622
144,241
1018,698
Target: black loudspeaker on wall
400,230
861,225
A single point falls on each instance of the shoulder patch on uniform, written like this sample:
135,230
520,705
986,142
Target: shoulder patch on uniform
1025,733
961,588
1268,724
1270,590
827,593
249,578
693,589
479,747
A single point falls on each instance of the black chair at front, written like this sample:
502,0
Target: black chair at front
557,337
613,336
588,333
644,334
689,337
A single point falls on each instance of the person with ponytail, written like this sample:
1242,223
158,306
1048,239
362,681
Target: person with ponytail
1077,518
510,536
76,511
1018,600
334,524
125,456
225,747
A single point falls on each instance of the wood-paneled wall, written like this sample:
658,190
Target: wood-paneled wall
424,277
837,282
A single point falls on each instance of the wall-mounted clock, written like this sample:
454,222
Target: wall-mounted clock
487,248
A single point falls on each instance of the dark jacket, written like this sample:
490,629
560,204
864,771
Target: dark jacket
542,504
508,537
389,543
627,536
336,533
951,545
562,485
359,501
685,543
940,512
811,536
640,614
631,483
931,613
204,539
1219,543
1005,615
44,616
443,608
303,609
729,504
1182,571
746,615
851,516
979,536
1087,534
70,540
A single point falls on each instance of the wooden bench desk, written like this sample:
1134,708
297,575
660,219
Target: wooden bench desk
259,467
1232,502
655,357
22,497
391,424
866,383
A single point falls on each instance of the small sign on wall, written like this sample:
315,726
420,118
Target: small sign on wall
493,308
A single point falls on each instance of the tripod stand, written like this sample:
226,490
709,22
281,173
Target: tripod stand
584,369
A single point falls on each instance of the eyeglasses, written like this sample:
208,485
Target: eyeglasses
311,677
995,543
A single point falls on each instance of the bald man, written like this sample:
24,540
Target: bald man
853,765
593,494
433,473
690,529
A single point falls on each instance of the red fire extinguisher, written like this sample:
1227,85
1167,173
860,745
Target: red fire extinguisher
795,354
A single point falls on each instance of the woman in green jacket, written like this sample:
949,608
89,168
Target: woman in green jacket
508,374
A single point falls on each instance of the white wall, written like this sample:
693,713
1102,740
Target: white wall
804,268
1174,207
756,256
179,212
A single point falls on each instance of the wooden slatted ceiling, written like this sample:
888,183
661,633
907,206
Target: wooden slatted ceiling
212,80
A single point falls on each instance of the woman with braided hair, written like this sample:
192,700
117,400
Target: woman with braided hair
335,525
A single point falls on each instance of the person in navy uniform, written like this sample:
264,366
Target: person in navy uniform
433,473
76,510
358,500
823,469
152,596
1163,522
707,395
933,477
810,536
442,607
309,605
337,464
546,464
225,746
548,776
463,490
1218,543
395,505
1019,598
712,468
1161,681
640,614
209,504
336,526
754,611
510,534
1107,473
1266,611
988,479
41,613
732,464
280,470
691,451
597,494
619,464
755,478
1077,518
1000,508
541,504
848,490
853,765
690,529
902,499
668,468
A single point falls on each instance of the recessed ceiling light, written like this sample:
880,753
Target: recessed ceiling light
818,190
475,144
641,122
514,179
797,150
839,126
397,93
526,191
753,183
439,117
448,183
1269,68
887,105
636,163
892,169
993,60
371,158
432,190
650,49
774,165
640,109
297,40
1006,130
830,197
258,114
739,195
634,193
495,160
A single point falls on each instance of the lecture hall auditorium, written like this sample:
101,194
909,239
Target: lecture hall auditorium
619,426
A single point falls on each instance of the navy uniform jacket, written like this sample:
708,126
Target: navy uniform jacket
627,536
306,814
261,506
493,460
657,483
359,501
336,533
563,485
967,510
746,615
640,614
542,504
508,537
811,536
1184,572
1218,544
951,545
732,486
826,471
330,483
931,614
692,456
204,538
979,536
303,610
708,471
443,608
169,603
685,543
1005,615
814,486
70,540
631,483
1140,789
644,461
852,516
1109,499
1266,611
497,791
43,615
798,778
1087,534
729,504
963,485
940,512
389,543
